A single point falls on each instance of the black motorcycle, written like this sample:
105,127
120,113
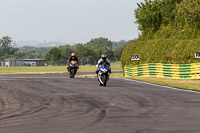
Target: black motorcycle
73,68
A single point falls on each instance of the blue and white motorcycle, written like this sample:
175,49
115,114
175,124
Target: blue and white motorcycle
103,74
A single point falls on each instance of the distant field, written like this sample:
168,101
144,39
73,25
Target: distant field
116,66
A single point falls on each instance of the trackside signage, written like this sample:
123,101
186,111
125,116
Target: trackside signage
135,57
197,54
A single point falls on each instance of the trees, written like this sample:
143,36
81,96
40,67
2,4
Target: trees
97,42
5,42
88,53
100,46
188,18
6,48
53,56
27,52
38,50
149,16
84,53
174,38
171,19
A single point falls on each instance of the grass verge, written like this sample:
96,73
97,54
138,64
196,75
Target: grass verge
116,66
177,83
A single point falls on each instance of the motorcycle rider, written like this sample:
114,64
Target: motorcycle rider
71,58
101,61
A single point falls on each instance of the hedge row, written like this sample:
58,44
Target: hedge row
162,51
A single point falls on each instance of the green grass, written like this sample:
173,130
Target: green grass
9,70
116,66
183,84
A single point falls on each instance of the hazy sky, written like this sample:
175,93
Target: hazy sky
75,21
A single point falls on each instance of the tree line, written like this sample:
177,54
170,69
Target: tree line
88,53
8,51
168,19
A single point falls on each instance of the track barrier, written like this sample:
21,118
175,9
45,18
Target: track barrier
160,70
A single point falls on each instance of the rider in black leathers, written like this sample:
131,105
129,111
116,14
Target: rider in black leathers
72,58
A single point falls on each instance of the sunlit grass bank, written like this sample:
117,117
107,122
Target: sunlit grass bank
177,83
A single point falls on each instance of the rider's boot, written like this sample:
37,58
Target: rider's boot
68,68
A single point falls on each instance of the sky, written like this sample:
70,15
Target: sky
69,21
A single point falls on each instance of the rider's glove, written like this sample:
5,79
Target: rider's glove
97,71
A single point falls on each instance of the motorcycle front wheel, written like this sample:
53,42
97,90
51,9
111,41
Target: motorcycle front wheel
72,72
104,79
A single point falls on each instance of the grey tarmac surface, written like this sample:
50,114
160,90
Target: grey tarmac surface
54,103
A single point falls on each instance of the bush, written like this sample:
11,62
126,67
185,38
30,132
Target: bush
161,51
168,19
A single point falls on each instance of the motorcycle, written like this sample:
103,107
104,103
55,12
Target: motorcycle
103,74
73,68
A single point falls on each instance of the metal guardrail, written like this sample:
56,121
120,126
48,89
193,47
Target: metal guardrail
160,70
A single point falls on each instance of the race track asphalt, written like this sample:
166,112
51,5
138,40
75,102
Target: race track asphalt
54,103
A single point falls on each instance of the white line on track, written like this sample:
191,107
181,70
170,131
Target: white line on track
160,85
